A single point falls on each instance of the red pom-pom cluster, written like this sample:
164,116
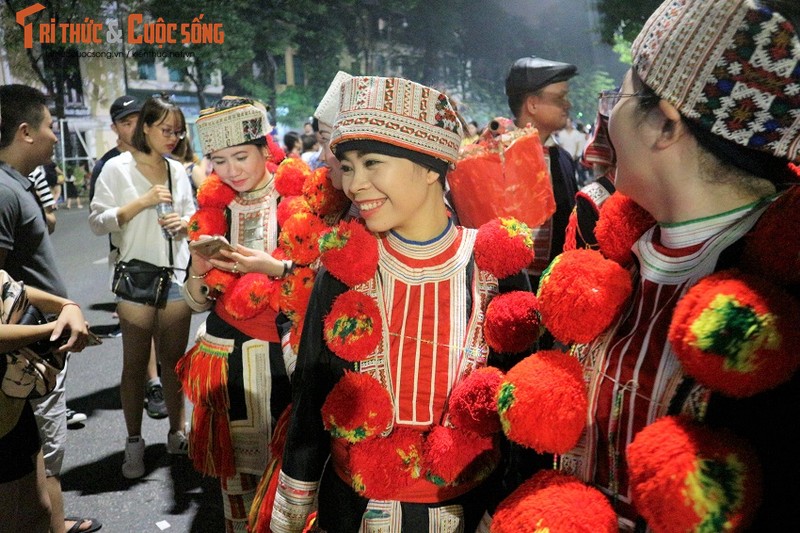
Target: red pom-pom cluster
214,194
295,293
357,408
380,467
299,237
321,196
737,334
350,253
512,322
208,221
542,402
289,206
771,249
452,456
353,328
249,296
687,477
622,221
473,401
219,280
554,501
503,247
290,176
580,294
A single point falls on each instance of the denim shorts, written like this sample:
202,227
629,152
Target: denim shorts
173,295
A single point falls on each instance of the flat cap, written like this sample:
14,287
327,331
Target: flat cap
532,73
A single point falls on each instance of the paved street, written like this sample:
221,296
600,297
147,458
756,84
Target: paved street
171,496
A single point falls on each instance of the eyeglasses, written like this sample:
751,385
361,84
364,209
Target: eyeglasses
167,133
555,99
609,98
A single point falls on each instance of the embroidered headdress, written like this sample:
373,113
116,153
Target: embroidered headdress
329,105
730,66
401,113
233,120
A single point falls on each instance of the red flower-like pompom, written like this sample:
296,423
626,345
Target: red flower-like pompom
290,176
249,296
622,221
686,477
554,501
350,253
473,402
299,237
322,197
295,293
380,467
737,334
542,402
357,408
219,280
512,322
289,206
214,194
580,294
771,249
503,247
353,328
452,456
207,221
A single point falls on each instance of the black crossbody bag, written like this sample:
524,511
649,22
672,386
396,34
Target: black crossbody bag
143,282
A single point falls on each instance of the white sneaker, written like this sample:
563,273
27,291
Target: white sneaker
133,465
177,443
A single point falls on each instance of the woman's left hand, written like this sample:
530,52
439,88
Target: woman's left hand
245,260
173,223
71,319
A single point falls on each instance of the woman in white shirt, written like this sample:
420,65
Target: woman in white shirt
128,190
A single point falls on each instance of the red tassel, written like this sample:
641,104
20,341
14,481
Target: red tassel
571,237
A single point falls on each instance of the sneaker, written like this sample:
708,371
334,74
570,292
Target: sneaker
133,465
177,443
74,417
154,401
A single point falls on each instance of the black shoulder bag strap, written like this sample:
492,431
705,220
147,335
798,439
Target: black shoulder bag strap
169,184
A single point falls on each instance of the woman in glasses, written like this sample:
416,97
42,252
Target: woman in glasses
133,189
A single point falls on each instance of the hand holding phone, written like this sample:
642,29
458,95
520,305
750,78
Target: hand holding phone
210,247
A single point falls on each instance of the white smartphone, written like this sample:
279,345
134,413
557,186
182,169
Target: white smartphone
209,247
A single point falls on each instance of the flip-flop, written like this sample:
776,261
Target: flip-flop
76,527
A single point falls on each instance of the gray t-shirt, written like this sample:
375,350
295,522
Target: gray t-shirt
23,233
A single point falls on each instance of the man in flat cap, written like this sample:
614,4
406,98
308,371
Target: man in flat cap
537,95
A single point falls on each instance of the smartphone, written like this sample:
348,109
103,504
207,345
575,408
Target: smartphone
94,340
209,247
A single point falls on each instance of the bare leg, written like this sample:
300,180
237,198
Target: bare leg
172,335
138,325
152,364
53,485
25,501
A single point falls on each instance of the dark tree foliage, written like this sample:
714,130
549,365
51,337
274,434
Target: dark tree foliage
623,16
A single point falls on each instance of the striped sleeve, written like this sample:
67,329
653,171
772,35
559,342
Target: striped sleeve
41,187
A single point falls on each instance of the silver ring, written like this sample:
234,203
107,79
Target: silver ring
235,267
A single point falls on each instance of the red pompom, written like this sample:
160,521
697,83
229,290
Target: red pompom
503,247
622,221
295,292
381,467
214,194
542,402
219,280
289,206
452,456
473,401
300,235
686,477
207,221
772,249
322,197
512,322
249,296
353,328
350,253
580,294
290,176
357,408
276,153
554,501
737,334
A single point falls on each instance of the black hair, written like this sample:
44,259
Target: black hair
28,107
309,140
155,110
440,166
290,140
315,124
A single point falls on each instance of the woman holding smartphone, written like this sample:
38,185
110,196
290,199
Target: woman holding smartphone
128,193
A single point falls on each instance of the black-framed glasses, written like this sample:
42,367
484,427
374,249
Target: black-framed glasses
169,132
609,98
